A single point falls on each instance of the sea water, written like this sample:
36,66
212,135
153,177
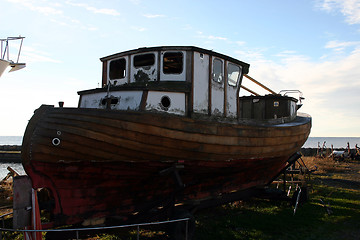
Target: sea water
10,140
336,142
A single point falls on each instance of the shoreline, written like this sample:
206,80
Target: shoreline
12,153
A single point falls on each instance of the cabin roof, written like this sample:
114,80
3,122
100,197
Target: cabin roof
245,66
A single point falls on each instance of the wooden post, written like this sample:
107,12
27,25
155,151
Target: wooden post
250,91
260,84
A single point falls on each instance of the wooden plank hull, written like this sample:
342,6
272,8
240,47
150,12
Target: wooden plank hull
100,163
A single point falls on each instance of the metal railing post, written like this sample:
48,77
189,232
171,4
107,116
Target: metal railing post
138,232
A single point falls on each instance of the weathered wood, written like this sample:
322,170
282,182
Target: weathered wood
13,172
22,202
260,84
80,133
91,171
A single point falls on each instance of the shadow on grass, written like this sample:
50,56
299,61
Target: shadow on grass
261,219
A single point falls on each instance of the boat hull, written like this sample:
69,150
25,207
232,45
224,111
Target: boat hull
101,163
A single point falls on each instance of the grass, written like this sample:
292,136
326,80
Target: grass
264,219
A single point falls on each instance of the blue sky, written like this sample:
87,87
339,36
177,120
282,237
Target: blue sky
310,45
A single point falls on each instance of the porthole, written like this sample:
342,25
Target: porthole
165,103
56,141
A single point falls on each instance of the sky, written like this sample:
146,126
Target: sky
309,45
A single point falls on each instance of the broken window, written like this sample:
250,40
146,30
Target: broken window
173,63
144,60
218,70
233,74
117,69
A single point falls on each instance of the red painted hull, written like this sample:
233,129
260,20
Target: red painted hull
86,190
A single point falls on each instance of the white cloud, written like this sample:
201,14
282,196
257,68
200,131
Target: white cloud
106,11
154,15
251,56
210,37
139,29
349,8
216,38
240,43
136,2
31,55
34,6
330,87
341,46
187,27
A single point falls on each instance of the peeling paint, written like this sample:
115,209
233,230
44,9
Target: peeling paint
176,106
127,100
141,76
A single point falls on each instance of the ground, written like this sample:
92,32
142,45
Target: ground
332,211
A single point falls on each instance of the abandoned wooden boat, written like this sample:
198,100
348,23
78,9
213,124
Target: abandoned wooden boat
168,126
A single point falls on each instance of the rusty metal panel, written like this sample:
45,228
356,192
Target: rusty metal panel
22,202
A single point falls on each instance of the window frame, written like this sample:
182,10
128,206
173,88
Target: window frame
221,73
142,65
180,62
124,74
238,77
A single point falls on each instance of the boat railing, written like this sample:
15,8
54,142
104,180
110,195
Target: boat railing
5,50
77,230
5,60
286,92
282,92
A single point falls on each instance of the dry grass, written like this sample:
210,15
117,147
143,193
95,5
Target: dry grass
336,173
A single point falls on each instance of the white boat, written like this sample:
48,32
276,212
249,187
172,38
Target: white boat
5,60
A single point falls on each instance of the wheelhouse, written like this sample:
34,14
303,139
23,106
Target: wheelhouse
186,81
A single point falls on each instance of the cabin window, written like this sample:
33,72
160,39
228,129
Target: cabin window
218,70
117,69
233,74
173,63
144,60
